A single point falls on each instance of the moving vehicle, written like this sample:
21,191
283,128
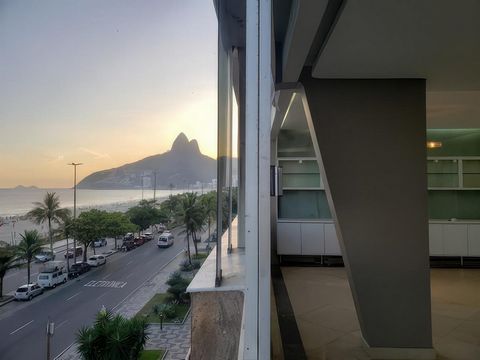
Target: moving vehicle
97,260
78,269
99,242
165,240
45,255
70,252
52,275
28,292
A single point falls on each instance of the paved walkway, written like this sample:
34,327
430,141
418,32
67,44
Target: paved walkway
174,338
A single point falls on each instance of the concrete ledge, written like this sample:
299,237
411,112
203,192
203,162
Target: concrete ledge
216,324
377,353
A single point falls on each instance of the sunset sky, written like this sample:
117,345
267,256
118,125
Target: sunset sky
103,83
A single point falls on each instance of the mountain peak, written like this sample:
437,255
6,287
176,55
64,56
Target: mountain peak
181,142
193,145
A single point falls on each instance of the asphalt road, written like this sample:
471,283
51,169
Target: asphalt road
74,304
17,277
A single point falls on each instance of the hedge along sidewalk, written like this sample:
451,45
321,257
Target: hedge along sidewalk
129,306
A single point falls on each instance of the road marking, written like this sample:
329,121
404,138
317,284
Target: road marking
148,279
98,298
71,297
107,276
21,327
131,274
128,263
106,284
62,323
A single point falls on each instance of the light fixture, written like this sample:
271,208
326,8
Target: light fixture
434,144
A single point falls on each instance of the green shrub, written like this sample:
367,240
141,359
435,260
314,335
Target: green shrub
175,278
178,287
186,266
196,264
167,310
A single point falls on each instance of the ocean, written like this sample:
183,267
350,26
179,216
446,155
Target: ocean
14,202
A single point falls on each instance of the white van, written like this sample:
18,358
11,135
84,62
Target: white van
50,278
165,240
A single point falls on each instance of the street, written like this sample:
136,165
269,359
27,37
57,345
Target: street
74,304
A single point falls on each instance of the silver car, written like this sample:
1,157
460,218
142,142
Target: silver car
28,292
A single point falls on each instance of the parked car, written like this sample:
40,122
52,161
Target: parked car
78,269
128,236
165,240
127,245
70,253
28,292
97,260
139,241
45,255
99,242
147,236
50,278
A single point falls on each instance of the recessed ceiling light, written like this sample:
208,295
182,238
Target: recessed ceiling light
434,144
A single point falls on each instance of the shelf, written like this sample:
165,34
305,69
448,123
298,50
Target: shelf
297,159
453,188
303,188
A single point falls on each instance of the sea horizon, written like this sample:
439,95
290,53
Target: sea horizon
17,202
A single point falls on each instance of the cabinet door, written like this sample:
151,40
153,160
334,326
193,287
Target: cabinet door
435,237
313,239
289,240
332,247
473,240
455,239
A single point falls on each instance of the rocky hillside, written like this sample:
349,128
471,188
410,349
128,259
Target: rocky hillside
184,164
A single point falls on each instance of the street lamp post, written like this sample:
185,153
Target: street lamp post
74,208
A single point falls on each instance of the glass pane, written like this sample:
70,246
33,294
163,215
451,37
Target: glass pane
442,180
301,181
471,166
300,174
471,181
442,167
303,204
295,143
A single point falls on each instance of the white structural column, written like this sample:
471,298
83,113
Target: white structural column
257,161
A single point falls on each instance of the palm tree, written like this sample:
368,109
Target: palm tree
8,260
113,337
209,201
48,211
65,231
191,214
30,245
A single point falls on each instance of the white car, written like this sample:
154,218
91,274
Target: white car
97,260
165,240
45,255
28,292
99,243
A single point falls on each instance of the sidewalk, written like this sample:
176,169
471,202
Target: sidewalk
174,338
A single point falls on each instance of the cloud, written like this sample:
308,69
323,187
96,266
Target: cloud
96,154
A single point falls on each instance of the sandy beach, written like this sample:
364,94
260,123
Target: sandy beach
14,225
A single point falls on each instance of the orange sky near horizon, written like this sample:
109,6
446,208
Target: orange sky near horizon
118,83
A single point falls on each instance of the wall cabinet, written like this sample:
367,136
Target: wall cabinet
320,238
307,238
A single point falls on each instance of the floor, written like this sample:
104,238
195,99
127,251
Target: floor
328,325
